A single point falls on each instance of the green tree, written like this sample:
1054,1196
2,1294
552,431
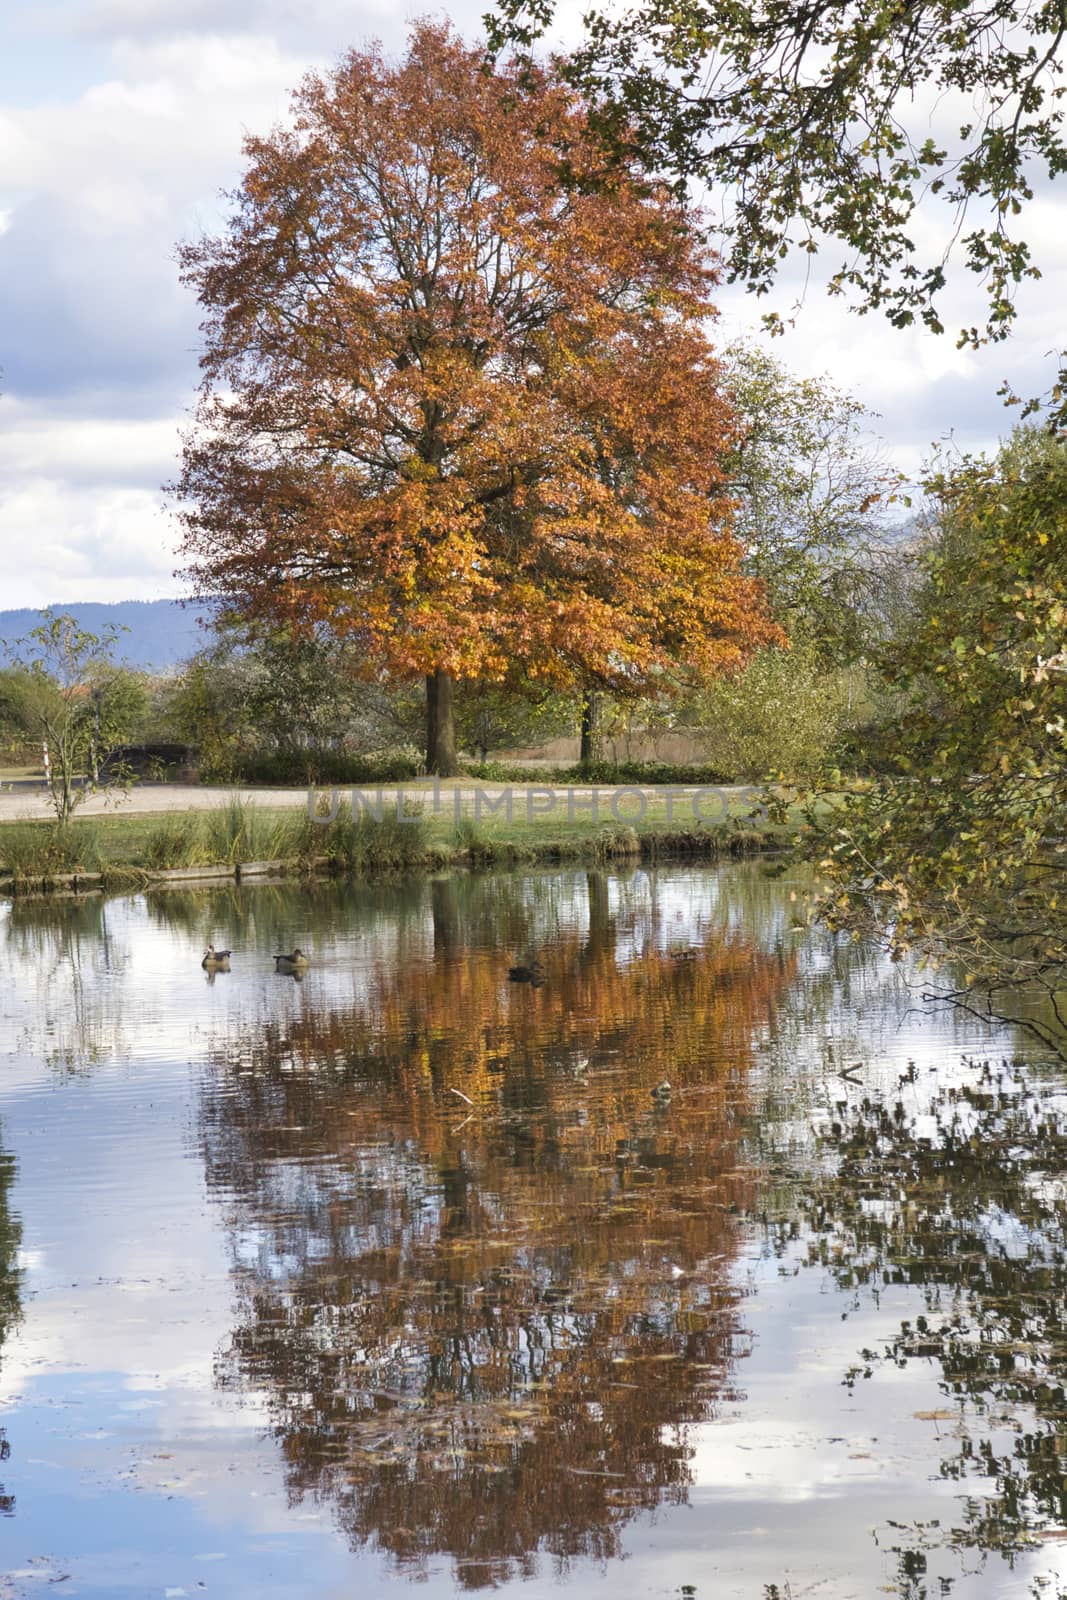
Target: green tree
811,491
810,488
493,716
65,692
304,696
121,708
783,715
206,705
961,852
280,691
816,119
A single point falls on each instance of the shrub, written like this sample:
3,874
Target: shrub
644,773
176,842
621,843
287,768
782,717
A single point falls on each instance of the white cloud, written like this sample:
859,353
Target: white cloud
123,152
60,543
161,133
100,343
36,444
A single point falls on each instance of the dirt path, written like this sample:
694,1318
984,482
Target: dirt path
24,800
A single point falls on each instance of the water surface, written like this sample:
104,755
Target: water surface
401,1273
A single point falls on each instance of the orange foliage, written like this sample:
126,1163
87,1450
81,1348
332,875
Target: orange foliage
488,1331
458,401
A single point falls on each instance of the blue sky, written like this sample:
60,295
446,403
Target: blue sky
120,123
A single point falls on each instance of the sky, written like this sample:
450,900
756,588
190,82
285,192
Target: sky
121,124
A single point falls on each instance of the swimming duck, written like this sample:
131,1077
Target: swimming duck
534,973
296,961
661,1093
216,960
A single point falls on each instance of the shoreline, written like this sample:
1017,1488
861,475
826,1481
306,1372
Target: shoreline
617,846
242,834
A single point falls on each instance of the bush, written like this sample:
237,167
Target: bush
640,774
784,716
287,768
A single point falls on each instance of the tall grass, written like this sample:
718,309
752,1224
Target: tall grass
240,831
480,850
350,843
178,841
43,850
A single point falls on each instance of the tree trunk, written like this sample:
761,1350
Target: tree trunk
601,936
440,726
590,709
447,931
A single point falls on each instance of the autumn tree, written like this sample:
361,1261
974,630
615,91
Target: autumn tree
458,402
405,1332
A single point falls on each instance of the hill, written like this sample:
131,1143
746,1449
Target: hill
161,632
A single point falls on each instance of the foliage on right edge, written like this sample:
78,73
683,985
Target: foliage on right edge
962,852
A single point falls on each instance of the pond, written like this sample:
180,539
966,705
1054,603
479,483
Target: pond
399,1271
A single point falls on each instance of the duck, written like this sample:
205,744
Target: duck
216,960
661,1093
534,973
296,961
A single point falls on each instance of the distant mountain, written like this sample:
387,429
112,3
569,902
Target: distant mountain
161,632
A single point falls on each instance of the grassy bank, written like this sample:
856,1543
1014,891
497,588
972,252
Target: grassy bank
119,848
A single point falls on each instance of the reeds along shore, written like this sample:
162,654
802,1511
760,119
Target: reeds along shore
242,839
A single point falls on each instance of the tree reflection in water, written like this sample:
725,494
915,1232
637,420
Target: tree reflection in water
958,1189
485,1330
60,949
10,1300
